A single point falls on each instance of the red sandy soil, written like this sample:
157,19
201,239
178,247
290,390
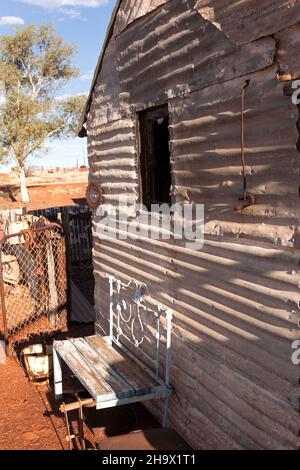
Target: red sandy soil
25,420
49,195
30,418
29,415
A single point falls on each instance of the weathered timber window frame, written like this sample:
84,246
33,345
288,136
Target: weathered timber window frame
155,164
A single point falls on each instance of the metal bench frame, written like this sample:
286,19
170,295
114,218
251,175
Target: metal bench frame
157,311
123,313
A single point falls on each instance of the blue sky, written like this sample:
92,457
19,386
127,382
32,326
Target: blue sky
81,21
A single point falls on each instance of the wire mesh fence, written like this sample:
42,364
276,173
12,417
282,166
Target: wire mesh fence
77,223
33,283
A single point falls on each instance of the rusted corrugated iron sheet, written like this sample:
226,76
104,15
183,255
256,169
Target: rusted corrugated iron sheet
112,154
205,129
130,11
288,44
236,302
82,310
242,22
232,338
173,51
180,52
106,102
248,20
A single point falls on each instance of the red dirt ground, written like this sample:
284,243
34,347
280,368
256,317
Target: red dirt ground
30,418
25,422
29,415
48,195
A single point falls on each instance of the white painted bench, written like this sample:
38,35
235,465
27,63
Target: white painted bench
116,370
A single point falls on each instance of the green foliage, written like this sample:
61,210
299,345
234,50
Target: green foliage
35,64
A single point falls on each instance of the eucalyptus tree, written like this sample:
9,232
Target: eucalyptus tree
35,64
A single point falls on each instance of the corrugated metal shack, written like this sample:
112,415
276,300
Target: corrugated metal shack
236,301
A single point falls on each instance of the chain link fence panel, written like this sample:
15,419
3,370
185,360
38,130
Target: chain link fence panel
33,283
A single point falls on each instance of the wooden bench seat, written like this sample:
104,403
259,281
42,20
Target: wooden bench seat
107,373
107,367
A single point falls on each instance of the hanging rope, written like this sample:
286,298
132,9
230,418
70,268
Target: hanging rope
243,140
248,198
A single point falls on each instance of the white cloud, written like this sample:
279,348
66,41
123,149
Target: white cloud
87,76
65,3
71,13
11,20
70,95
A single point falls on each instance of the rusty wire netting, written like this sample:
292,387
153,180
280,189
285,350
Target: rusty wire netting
33,283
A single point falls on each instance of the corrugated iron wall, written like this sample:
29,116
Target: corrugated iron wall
131,11
236,302
167,53
206,156
246,21
173,51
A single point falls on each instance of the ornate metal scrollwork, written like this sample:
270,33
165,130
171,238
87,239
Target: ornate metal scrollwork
133,319
130,319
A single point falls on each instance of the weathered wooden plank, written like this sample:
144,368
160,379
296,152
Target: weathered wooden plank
83,371
125,367
121,388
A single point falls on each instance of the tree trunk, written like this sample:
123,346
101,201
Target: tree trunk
24,190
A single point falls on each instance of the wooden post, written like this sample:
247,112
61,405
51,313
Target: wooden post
111,312
169,315
65,222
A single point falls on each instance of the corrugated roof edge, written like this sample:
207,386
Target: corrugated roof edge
110,29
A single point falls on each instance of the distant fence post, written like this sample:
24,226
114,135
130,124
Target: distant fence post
65,220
